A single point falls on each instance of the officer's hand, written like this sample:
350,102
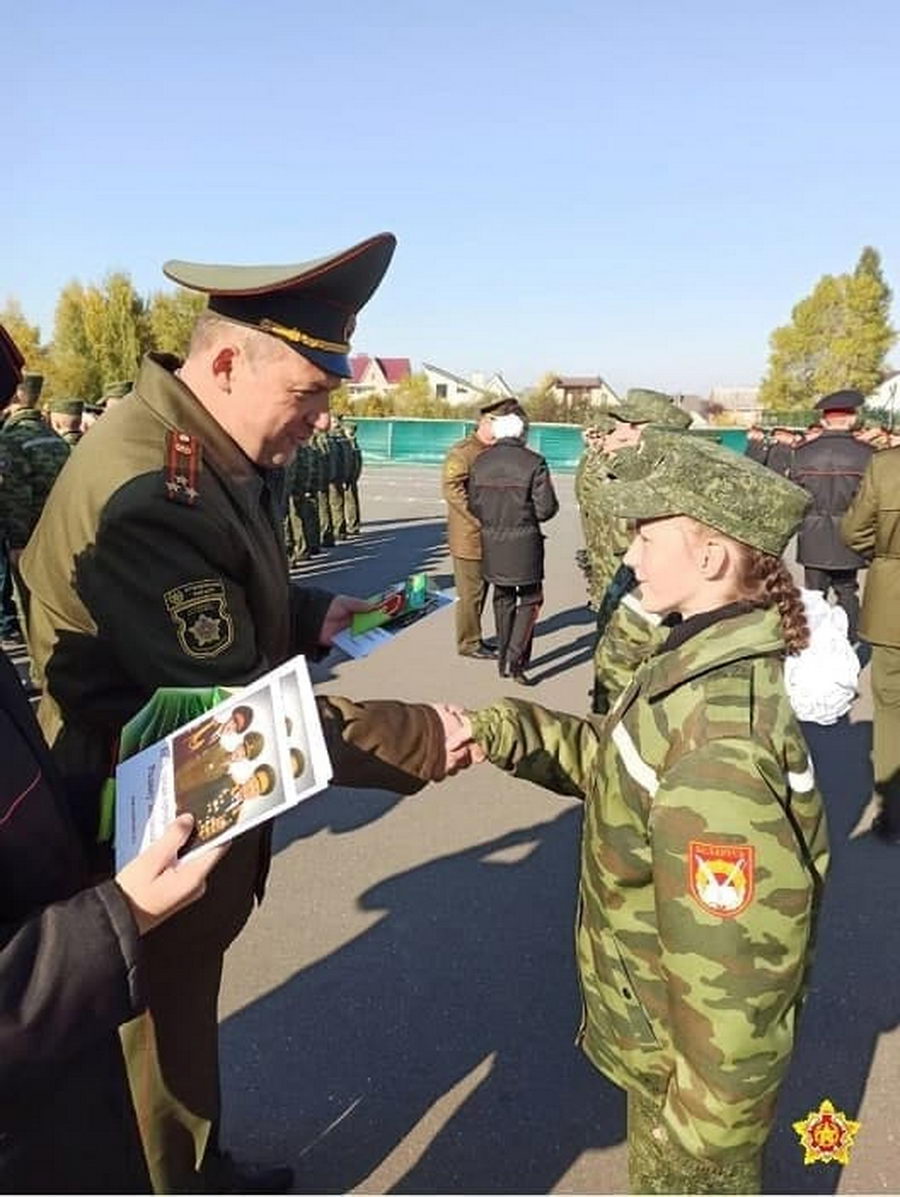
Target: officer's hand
341,610
157,884
461,750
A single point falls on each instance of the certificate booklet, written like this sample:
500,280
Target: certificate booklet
399,607
256,753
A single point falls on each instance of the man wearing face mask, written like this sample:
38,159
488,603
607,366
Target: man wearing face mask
159,562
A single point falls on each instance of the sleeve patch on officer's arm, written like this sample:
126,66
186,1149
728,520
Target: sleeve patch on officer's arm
203,623
721,877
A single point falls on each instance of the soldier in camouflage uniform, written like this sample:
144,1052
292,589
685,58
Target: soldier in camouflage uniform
341,464
320,446
65,419
351,489
626,453
34,463
305,496
704,845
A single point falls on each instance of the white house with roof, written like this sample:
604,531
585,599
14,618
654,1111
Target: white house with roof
887,394
573,389
456,390
376,375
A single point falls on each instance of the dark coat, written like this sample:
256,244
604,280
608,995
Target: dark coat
510,492
779,458
831,469
68,977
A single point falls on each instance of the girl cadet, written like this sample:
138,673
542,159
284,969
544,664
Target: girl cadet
704,842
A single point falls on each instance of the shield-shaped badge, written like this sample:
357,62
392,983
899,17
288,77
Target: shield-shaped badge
721,877
203,623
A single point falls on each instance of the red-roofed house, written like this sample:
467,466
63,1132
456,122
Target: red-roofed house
376,375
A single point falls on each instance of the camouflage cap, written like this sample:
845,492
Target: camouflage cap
718,487
67,407
118,390
598,421
32,384
650,407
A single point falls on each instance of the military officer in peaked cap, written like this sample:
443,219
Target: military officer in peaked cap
159,562
831,468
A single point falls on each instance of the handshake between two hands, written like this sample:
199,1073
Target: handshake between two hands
460,748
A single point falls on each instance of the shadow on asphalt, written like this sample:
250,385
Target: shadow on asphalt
472,961
854,994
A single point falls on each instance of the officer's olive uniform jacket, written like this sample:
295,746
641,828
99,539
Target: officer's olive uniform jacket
872,527
830,468
463,529
691,1007
132,588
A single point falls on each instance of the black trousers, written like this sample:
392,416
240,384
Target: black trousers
844,584
515,614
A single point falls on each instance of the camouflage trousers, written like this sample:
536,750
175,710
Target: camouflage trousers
308,509
351,508
326,528
657,1165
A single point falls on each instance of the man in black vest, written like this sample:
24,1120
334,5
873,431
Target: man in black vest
831,468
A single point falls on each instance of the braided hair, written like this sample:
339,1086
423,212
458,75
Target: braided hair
765,580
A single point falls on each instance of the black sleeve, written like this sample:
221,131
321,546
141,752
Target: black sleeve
68,976
543,496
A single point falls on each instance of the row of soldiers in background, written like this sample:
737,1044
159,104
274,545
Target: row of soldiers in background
322,490
35,443
620,445
775,446
829,462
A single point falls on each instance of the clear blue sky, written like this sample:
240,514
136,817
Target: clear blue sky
638,189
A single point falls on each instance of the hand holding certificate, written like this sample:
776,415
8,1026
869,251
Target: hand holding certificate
255,754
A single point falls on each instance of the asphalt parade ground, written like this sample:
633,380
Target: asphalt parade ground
399,1014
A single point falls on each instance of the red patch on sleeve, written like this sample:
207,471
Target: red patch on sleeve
721,877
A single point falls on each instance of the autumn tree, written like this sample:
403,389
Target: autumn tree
171,316
838,337
100,334
27,336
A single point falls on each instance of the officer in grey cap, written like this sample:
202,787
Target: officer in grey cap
159,562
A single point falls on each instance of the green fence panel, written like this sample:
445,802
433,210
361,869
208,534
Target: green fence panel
385,439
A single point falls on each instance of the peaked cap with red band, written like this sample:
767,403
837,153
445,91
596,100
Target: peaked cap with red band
311,306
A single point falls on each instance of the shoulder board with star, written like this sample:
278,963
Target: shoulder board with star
184,460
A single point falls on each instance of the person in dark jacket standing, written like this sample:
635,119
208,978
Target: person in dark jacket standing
511,494
780,454
831,468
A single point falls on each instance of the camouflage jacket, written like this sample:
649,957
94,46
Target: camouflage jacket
319,445
356,456
703,853
304,476
15,495
606,536
341,458
32,470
